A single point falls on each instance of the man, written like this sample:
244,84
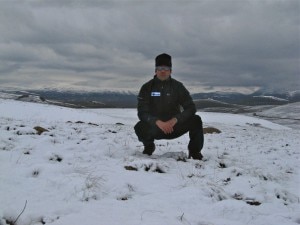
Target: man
159,109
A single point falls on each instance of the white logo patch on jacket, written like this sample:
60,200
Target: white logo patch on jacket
155,94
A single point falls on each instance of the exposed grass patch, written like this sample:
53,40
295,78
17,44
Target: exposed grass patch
211,130
40,130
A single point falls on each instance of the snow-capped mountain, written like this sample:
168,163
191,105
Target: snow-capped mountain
292,96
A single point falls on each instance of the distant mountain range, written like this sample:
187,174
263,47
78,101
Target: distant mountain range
81,99
261,97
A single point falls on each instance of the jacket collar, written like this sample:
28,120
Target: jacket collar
164,81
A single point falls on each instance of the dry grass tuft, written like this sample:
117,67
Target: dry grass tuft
211,130
40,130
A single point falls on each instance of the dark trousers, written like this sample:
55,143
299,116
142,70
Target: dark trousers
147,133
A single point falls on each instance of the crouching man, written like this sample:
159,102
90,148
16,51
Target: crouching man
159,109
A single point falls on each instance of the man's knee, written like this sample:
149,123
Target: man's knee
197,122
140,127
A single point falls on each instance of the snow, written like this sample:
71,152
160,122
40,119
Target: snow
288,111
271,97
288,114
78,172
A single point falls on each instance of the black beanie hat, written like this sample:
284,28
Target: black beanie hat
163,60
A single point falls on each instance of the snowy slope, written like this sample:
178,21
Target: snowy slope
288,114
288,111
88,169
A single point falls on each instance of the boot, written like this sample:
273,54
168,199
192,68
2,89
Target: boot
195,156
149,149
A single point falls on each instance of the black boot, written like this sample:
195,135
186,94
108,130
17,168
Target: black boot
195,156
149,149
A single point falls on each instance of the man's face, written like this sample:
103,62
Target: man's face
163,72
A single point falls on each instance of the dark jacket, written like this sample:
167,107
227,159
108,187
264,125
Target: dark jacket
163,100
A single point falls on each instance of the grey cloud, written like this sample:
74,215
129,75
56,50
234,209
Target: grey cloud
213,43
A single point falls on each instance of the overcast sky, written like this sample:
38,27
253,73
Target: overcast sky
108,45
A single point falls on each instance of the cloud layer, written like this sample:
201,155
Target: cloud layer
112,44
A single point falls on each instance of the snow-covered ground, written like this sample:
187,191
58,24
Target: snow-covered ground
88,169
288,114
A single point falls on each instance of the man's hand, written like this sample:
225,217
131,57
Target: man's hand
168,126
